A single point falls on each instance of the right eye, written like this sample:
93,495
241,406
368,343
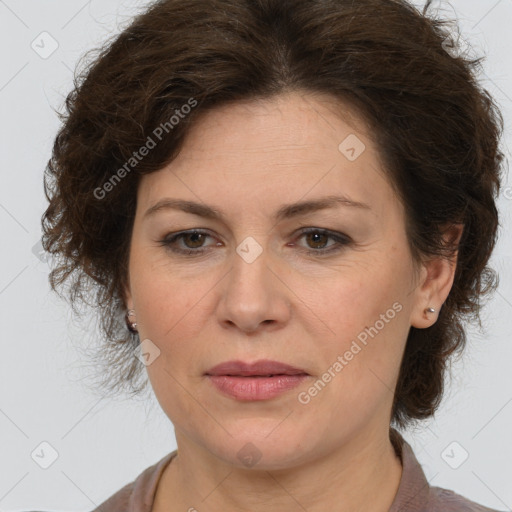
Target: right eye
193,241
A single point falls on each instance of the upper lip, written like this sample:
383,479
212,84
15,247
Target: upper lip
261,367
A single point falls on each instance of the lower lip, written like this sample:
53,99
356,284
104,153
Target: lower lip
255,388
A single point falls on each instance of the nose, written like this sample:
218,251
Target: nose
254,295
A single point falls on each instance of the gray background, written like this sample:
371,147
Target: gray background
103,444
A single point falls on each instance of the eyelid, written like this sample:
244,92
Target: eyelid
341,240
172,238
325,231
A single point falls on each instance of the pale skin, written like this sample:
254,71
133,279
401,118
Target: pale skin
247,160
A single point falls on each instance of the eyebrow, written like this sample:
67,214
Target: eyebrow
286,211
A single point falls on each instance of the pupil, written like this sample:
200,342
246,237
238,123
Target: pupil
317,235
194,237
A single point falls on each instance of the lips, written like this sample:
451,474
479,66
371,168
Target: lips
261,368
261,380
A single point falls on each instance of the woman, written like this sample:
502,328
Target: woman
291,204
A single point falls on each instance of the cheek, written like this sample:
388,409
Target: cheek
361,361
172,312
367,317
164,300
354,301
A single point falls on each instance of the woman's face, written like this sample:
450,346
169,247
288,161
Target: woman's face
253,286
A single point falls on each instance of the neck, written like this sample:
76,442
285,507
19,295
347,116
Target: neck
362,475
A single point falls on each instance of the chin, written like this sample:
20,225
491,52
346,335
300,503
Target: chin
262,445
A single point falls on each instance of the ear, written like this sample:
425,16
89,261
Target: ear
435,281
127,294
128,298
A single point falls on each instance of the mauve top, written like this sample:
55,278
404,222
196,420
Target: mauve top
414,492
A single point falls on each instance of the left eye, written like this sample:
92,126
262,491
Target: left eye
319,238
194,241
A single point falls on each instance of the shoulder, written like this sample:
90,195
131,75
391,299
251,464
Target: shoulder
445,500
415,494
137,496
118,501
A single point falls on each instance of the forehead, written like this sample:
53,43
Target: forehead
283,149
288,121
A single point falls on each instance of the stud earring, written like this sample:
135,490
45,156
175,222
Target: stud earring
430,310
132,326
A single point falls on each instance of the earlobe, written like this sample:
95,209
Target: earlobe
130,315
437,276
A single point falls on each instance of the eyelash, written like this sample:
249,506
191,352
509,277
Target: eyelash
340,239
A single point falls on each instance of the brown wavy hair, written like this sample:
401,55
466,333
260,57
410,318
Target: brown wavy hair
438,132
